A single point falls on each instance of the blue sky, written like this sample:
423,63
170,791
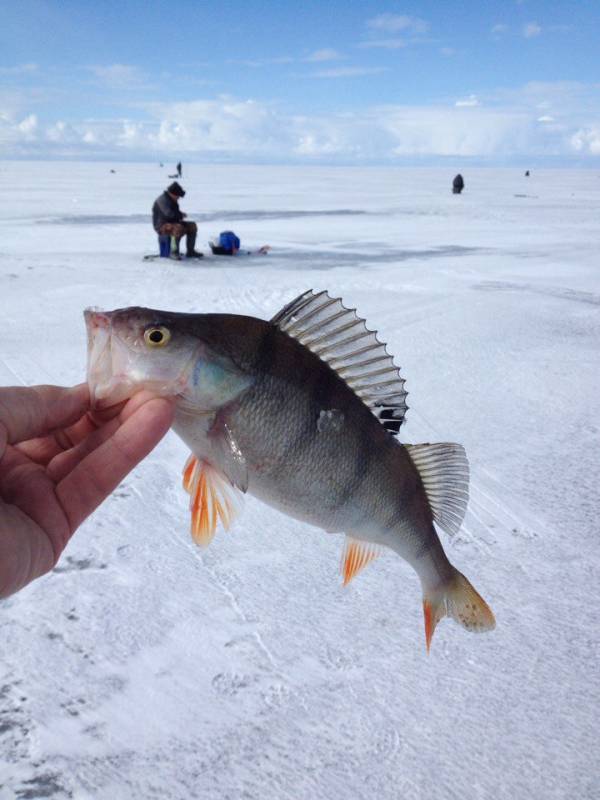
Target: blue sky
314,81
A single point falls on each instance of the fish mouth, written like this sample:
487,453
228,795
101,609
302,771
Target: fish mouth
107,361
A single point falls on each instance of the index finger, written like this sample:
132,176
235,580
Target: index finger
29,412
95,477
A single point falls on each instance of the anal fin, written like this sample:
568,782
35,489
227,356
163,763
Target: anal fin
212,499
356,556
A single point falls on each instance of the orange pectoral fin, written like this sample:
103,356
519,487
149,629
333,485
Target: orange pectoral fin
356,556
188,473
212,499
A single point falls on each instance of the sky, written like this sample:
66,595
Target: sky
313,82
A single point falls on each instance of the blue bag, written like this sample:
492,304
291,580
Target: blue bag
229,241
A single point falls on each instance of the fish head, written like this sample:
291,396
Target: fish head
139,348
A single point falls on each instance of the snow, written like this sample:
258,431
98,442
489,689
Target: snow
143,667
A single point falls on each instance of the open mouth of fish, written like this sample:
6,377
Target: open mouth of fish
108,364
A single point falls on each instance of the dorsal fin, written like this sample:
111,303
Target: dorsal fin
340,338
444,470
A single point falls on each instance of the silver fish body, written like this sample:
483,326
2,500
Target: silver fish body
303,430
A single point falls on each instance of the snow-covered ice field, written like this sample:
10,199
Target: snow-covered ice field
143,667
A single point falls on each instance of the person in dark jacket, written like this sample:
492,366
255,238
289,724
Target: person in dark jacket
458,184
169,220
178,168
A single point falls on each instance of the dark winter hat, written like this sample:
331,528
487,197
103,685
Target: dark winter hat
176,189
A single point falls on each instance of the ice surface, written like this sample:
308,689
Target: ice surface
145,668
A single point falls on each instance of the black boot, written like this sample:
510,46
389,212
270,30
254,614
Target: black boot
190,240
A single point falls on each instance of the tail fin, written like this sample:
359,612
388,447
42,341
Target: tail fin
459,600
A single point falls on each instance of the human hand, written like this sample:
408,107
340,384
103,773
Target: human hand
58,461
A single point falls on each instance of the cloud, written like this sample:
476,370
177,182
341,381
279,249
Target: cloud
531,30
504,124
587,140
19,70
226,125
28,127
262,62
447,51
500,28
467,102
118,76
387,44
393,23
326,54
348,72
15,133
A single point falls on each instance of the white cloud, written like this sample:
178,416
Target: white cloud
19,70
458,132
447,51
118,76
467,102
348,72
262,62
387,44
59,132
500,28
587,140
14,132
326,54
531,30
226,125
502,124
393,23
28,126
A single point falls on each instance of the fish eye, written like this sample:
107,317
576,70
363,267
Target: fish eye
157,336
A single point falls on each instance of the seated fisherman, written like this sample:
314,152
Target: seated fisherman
169,220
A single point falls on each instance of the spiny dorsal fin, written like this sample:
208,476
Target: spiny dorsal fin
356,556
444,470
340,338
212,499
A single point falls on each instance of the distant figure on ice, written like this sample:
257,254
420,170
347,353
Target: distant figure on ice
178,168
526,173
458,184
169,220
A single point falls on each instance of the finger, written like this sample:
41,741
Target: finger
12,460
64,462
31,412
124,410
95,477
44,449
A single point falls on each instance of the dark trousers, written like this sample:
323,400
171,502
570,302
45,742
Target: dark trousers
179,230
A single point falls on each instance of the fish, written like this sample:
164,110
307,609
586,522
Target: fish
303,412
